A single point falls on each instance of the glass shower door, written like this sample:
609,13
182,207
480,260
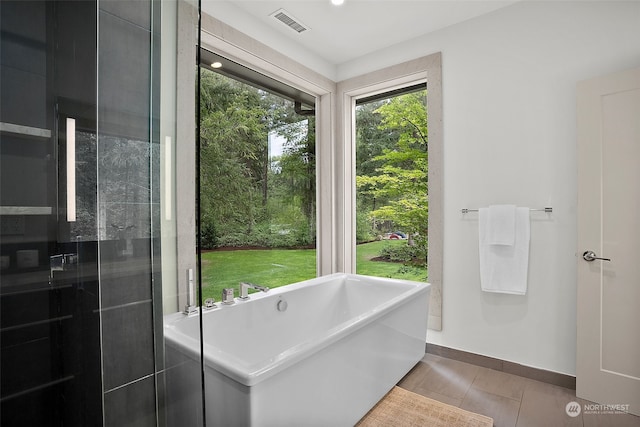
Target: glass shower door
49,318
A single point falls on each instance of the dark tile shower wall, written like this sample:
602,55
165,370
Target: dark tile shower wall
88,336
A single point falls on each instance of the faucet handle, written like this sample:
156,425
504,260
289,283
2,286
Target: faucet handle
244,290
227,296
56,262
62,262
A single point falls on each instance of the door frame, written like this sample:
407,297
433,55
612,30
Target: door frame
593,382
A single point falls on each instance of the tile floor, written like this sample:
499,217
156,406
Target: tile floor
511,401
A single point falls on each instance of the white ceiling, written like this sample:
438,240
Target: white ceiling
340,34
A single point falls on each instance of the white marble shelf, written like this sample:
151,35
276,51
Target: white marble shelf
24,130
25,210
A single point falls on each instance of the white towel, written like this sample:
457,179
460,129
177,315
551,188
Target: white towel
504,268
501,226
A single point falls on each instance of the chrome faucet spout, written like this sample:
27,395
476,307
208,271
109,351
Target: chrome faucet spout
244,289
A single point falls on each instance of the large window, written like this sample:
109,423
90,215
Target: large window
368,87
257,182
391,184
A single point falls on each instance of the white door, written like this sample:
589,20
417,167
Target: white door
608,307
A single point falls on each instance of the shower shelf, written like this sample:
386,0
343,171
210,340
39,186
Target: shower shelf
25,210
21,130
35,134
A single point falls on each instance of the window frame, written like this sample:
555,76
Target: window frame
426,69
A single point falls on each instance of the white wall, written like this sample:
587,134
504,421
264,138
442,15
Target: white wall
509,133
235,16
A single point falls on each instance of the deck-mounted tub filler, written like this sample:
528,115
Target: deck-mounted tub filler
316,353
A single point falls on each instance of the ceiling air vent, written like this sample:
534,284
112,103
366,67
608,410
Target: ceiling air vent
291,22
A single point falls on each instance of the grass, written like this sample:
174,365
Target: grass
278,267
266,267
364,264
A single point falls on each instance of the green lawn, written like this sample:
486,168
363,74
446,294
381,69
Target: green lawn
364,265
278,267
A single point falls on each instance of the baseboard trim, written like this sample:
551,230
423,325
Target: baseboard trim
542,375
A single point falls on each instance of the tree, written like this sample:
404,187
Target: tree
242,199
232,154
371,141
298,167
402,177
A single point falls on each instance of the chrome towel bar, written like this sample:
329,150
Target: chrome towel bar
547,210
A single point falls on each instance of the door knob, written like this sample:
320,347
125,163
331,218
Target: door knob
591,256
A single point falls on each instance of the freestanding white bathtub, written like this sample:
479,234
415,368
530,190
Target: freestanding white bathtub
342,342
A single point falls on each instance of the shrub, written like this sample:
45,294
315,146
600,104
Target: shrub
364,233
415,255
208,238
267,235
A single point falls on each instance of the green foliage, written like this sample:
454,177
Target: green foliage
265,235
208,236
402,177
242,192
408,254
371,139
364,231
367,262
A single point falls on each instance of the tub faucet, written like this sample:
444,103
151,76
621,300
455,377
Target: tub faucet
244,289
191,306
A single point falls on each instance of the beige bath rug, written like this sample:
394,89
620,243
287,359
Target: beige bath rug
402,408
